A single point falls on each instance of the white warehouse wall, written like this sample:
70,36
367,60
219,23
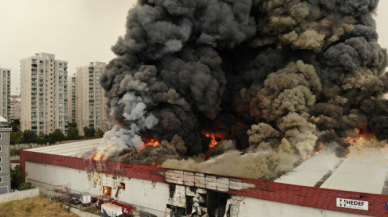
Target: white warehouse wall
263,208
149,196
155,196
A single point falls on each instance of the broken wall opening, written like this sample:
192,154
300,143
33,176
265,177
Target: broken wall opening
108,191
216,203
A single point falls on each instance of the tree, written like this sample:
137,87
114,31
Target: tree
16,126
29,136
42,136
16,137
73,133
57,135
18,177
72,125
92,132
86,131
100,133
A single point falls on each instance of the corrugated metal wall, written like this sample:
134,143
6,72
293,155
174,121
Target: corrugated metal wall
297,197
153,196
264,208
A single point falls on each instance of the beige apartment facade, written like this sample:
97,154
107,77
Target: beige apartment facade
44,101
90,101
5,93
71,96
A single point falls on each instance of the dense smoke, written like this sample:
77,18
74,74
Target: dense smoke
266,75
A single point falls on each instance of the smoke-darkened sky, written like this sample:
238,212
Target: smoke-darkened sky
79,31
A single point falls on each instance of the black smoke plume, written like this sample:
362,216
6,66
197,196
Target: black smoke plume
263,73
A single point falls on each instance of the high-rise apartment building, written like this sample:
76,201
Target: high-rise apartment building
5,93
44,94
72,100
90,100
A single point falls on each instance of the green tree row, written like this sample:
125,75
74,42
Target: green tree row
29,136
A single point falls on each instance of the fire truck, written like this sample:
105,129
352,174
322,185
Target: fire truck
126,209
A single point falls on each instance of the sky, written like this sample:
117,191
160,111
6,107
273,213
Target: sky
78,31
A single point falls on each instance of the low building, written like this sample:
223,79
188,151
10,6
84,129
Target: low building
351,187
5,179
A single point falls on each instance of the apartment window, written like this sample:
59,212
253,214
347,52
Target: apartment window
1,179
1,148
1,135
1,169
1,160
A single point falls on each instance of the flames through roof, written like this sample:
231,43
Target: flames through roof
359,172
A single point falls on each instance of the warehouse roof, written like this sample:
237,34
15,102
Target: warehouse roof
360,172
311,171
364,171
74,149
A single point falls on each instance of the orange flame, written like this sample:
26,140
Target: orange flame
148,142
362,134
214,137
240,123
102,153
155,165
99,157
213,142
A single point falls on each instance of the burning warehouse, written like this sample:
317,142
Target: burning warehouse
281,91
312,188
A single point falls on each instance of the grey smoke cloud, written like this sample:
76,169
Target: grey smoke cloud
267,75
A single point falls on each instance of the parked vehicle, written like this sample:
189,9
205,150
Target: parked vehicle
111,210
127,209
61,198
85,198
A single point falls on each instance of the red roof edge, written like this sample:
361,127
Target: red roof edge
318,198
